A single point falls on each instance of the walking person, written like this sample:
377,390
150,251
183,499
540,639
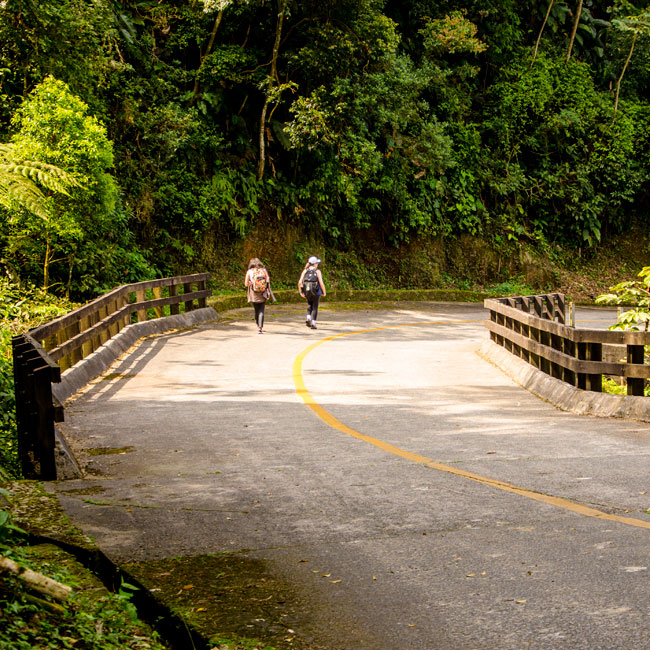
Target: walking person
311,287
258,282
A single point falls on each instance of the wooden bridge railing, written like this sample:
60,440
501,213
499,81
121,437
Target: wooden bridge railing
533,328
45,351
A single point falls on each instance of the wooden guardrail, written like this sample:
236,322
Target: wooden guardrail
45,351
534,328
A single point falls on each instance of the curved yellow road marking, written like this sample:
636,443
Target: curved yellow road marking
335,423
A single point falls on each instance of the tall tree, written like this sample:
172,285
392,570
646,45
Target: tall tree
55,126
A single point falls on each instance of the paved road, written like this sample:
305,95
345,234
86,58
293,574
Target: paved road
384,472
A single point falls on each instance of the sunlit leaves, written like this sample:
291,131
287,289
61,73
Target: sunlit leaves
452,34
22,181
631,292
55,127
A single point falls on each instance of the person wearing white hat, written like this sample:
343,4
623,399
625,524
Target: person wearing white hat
311,287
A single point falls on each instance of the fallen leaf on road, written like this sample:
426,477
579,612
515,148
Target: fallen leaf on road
520,602
334,581
471,575
188,587
326,575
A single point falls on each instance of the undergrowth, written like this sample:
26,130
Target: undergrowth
91,618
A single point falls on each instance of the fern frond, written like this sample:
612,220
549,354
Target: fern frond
21,181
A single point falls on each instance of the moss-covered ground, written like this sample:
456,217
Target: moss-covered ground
93,617
220,602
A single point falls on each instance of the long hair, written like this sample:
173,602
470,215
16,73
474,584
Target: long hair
255,263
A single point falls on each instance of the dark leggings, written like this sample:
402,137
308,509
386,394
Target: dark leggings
259,313
312,307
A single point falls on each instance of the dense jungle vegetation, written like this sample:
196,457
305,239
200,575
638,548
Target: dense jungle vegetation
170,136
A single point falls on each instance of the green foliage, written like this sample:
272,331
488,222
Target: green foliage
560,164
21,182
68,39
633,293
54,126
78,238
613,387
89,620
512,287
452,34
407,119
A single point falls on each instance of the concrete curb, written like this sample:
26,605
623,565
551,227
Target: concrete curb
561,395
96,363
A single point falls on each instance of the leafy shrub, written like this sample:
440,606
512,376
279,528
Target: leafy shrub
636,295
21,308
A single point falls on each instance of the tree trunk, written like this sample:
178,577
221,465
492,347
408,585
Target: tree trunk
618,83
70,267
539,36
282,5
46,263
262,162
575,29
208,49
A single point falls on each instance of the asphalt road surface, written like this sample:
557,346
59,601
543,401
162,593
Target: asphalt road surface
411,494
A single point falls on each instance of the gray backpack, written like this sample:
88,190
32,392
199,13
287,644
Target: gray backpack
310,284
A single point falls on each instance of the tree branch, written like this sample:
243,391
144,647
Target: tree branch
36,581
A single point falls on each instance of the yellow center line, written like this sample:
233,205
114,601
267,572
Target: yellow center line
335,423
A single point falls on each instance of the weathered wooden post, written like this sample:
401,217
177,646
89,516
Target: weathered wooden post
201,286
142,313
595,381
157,294
174,308
635,385
187,288
44,448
